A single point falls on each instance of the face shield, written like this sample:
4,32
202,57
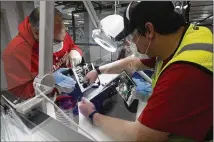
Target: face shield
129,34
133,39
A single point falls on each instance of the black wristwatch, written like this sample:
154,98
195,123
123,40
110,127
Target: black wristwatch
98,70
91,116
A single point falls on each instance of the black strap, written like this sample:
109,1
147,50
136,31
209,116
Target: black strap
91,115
98,70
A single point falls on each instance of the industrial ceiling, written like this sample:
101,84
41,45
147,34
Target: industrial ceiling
200,12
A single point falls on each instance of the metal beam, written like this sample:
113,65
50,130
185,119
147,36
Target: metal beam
187,15
201,5
193,14
73,26
202,10
200,21
206,24
92,13
46,24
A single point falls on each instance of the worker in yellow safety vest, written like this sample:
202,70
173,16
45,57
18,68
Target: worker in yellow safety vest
180,107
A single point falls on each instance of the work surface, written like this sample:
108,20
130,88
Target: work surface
84,122
51,130
86,125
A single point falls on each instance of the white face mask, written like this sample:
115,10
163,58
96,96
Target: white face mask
136,53
57,47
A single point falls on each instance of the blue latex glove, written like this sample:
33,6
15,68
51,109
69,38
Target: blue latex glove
62,80
143,87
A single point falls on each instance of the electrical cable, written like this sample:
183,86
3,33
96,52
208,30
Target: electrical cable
200,21
49,100
145,76
115,7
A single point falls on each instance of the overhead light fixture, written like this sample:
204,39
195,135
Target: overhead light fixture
106,29
112,25
76,15
185,7
177,6
80,21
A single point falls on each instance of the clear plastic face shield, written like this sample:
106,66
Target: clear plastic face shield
135,36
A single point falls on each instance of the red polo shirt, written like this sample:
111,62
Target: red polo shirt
182,101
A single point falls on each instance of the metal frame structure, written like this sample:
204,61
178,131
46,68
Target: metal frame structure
92,13
46,37
109,7
44,77
45,59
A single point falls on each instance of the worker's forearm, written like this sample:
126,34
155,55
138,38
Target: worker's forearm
129,64
119,130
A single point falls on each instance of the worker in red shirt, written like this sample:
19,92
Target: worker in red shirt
21,55
181,105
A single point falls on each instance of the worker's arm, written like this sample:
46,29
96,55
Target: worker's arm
129,64
121,130
75,55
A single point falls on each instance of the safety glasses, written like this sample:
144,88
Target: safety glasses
134,35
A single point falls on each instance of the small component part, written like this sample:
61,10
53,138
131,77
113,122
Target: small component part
81,78
15,102
80,72
125,87
95,85
84,85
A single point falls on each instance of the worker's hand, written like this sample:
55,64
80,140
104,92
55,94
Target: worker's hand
86,107
62,80
74,58
91,76
143,87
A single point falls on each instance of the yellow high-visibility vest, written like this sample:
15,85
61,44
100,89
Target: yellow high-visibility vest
196,48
